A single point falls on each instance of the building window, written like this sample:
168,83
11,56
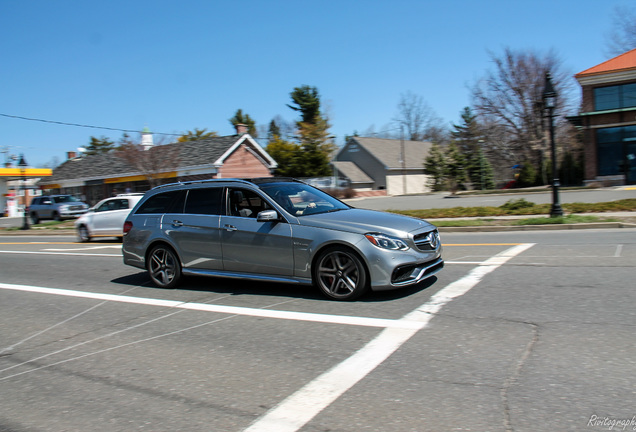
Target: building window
612,146
615,97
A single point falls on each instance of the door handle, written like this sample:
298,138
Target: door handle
177,223
230,227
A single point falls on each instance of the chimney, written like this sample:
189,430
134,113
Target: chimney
71,155
240,128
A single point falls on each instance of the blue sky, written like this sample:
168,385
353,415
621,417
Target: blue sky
176,66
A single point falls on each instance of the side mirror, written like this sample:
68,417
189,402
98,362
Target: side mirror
267,216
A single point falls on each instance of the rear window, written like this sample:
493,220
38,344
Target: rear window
167,202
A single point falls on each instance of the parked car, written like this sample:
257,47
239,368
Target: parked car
56,207
106,218
280,230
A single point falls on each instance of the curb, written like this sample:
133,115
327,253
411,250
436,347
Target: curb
549,227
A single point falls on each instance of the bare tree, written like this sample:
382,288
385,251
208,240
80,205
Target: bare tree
510,97
152,163
622,37
418,120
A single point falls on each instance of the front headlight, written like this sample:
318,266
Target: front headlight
384,241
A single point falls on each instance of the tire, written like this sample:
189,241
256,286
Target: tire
82,234
163,267
34,219
340,274
56,217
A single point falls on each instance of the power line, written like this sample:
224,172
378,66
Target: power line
81,125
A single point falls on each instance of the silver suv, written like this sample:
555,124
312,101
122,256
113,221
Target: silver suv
275,229
56,207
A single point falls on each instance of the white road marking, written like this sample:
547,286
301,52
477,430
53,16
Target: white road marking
619,251
298,409
85,248
233,310
59,253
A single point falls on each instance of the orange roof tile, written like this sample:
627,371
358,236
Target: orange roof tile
623,62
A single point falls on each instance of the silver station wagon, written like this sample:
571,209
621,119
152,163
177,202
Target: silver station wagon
280,230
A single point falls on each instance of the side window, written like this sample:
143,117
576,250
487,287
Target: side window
167,202
104,207
204,201
245,203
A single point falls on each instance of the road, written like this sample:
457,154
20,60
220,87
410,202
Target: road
522,331
444,200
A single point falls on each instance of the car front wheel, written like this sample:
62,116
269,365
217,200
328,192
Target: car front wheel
163,267
340,274
82,234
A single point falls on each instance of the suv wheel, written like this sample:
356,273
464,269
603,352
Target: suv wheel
56,217
163,267
34,218
340,274
82,234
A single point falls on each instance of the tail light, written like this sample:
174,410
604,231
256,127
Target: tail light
127,226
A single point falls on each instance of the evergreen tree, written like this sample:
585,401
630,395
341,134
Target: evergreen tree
313,132
197,135
287,155
99,145
435,167
527,176
307,102
467,136
240,118
482,175
274,130
455,167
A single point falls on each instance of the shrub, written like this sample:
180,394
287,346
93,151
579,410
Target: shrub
517,204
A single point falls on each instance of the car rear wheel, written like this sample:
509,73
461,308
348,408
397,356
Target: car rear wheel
340,274
163,267
34,218
82,234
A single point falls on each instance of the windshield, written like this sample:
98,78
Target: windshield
65,198
300,199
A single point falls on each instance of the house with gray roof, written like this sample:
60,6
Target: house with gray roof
94,177
396,166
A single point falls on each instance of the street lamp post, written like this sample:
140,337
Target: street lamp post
549,103
22,164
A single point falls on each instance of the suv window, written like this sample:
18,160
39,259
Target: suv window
167,202
115,204
246,203
204,201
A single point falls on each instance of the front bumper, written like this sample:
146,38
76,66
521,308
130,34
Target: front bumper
396,269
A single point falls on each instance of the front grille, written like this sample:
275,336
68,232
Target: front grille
427,241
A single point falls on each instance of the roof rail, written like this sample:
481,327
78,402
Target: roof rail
215,180
256,180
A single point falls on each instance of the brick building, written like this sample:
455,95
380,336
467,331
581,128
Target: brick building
608,120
